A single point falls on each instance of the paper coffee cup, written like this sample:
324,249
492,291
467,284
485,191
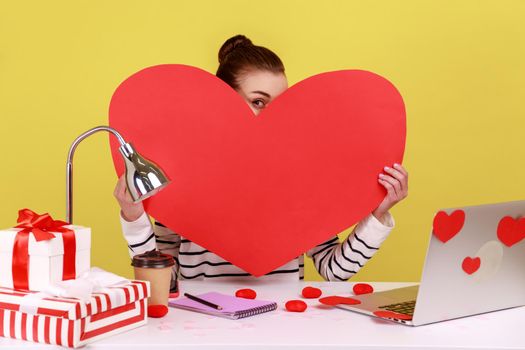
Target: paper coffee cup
155,267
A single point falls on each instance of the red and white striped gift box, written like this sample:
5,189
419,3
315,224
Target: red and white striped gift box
71,322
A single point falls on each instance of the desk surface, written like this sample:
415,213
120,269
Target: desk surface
317,328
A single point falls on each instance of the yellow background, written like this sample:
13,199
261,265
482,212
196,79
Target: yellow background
460,66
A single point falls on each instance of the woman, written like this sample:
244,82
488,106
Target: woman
257,74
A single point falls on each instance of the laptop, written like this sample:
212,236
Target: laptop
474,265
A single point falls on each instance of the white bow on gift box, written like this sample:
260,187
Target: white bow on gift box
95,280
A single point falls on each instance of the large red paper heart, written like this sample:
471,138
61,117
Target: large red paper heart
511,231
471,265
447,226
259,191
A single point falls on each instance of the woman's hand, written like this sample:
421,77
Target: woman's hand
395,181
130,211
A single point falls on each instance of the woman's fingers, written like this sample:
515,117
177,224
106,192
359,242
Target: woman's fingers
402,170
401,176
118,188
130,211
398,175
121,191
391,192
393,182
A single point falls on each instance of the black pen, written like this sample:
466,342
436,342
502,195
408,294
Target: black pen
202,301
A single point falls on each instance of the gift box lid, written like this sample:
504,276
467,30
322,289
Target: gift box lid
72,308
50,247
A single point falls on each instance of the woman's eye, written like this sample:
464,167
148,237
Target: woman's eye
258,104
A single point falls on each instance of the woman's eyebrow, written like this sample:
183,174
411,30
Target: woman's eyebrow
262,93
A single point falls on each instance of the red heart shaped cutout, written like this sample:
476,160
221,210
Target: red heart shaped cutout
362,288
295,306
259,191
447,226
336,300
311,292
157,311
511,231
471,265
246,293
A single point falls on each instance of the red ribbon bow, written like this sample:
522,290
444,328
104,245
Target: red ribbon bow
40,226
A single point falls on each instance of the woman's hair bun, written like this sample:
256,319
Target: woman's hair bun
238,54
231,44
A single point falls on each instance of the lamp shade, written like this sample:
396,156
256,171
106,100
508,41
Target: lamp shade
144,178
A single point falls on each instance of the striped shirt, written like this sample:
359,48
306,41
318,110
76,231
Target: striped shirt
334,260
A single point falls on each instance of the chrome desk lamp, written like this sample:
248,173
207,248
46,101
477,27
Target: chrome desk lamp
144,178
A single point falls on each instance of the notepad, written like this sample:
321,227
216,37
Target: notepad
232,307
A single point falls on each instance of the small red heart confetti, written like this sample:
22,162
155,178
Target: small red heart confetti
471,265
246,293
296,306
392,314
511,231
157,311
447,226
311,292
335,300
362,288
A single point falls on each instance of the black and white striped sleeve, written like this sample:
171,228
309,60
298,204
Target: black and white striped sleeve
139,234
142,236
339,261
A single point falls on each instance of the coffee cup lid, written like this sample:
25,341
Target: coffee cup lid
153,259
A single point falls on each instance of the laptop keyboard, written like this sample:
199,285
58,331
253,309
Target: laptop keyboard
406,307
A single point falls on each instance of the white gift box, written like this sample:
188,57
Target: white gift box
71,322
46,258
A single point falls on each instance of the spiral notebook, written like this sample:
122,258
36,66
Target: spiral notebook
232,307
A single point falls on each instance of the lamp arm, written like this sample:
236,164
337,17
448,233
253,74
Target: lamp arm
69,165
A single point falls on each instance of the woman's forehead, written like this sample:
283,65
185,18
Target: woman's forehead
263,81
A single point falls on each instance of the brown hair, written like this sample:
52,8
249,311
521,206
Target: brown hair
238,55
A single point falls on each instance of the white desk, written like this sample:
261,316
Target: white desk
317,328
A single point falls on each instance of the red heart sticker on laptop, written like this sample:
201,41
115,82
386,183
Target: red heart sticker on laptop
260,191
511,231
447,226
471,265
392,314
